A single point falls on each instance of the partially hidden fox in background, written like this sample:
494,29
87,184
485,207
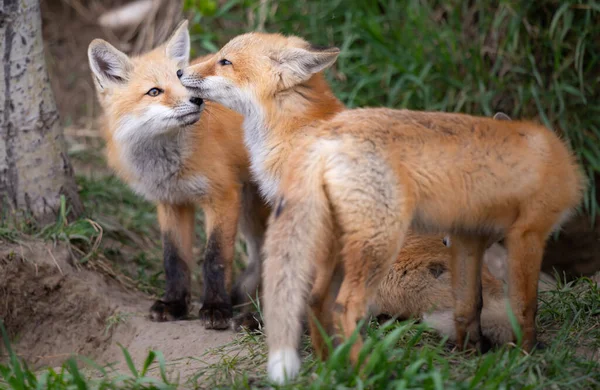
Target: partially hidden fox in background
418,286
347,185
180,153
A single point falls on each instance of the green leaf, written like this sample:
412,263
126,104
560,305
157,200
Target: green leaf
129,361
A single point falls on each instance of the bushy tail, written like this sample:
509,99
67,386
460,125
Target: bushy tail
300,232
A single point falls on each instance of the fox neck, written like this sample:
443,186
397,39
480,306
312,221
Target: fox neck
157,158
270,129
163,153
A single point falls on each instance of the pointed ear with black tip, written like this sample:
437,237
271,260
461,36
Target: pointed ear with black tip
109,65
178,45
297,65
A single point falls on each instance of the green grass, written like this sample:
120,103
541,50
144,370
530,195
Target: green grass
407,355
81,373
530,59
402,355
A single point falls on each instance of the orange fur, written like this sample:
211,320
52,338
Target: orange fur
418,286
348,184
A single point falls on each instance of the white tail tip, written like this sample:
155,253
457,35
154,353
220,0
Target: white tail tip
284,364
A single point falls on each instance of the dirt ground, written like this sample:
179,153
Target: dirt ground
53,310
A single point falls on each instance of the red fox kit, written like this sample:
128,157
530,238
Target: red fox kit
180,152
418,285
346,185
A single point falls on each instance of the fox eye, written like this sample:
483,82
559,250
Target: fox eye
224,62
154,92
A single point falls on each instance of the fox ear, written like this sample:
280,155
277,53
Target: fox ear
500,116
178,45
298,65
109,65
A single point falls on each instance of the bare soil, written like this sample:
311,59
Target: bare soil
53,310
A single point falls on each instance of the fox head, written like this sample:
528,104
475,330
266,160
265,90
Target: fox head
254,68
142,95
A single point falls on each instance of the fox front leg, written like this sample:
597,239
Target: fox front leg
177,230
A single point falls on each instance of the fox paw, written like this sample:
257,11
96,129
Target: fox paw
216,316
483,345
249,321
168,310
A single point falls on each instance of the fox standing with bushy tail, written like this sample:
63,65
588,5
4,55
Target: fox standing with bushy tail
180,152
346,185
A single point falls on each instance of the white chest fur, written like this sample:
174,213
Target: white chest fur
256,140
171,190
156,165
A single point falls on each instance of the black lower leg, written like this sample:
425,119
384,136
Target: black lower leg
250,321
241,293
216,311
175,302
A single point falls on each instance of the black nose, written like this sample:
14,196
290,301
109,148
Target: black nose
197,101
179,73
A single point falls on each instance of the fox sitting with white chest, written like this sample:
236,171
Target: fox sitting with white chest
180,152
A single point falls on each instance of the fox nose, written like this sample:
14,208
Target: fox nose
179,73
197,101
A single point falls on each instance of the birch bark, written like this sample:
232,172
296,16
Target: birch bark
34,166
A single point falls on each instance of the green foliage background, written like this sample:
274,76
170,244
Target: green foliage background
536,60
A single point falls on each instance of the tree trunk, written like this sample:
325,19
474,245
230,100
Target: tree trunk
34,167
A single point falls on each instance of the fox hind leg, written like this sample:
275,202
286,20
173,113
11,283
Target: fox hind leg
466,262
373,221
525,252
319,315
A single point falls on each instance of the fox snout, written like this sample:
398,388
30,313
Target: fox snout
197,101
203,83
191,82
